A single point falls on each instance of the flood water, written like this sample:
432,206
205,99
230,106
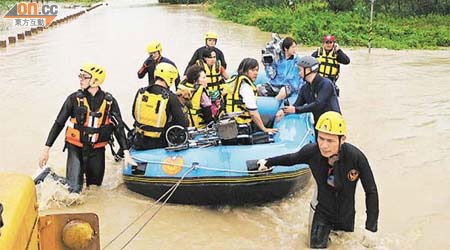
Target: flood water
396,104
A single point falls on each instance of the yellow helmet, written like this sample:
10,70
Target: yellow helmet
167,72
97,72
332,122
210,35
154,46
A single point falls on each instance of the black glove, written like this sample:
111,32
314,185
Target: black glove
149,61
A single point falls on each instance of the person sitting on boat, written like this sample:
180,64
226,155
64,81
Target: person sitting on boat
242,97
92,113
199,112
156,108
330,56
211,41
215,72
154,50
184,97
317,95
283,74
336,167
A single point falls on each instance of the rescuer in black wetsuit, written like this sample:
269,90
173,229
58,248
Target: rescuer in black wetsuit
317,95
336,167
94,116
210,41
155,57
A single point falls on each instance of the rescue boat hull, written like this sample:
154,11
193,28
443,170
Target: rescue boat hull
258,189
219,175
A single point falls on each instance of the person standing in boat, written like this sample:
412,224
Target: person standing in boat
94,116
154,50
156,108
211,42
317,95
336,167
330,56
283,74
199,111
242,97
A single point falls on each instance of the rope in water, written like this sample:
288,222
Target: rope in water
170,191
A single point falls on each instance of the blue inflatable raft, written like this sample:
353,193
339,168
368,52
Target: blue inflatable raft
219,175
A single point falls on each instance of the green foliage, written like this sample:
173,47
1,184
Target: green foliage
309,21
181,1
8,4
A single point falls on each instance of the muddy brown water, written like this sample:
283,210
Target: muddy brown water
396,104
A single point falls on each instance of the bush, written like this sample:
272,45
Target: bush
311,20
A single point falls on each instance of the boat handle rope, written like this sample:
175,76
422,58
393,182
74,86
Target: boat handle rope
214,169
170,192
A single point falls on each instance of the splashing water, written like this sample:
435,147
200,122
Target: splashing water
53,194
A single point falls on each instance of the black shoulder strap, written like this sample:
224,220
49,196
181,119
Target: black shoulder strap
165,93
108,97
143,89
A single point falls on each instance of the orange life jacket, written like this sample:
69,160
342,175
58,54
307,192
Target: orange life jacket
90,128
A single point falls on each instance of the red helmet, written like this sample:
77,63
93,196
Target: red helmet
328,38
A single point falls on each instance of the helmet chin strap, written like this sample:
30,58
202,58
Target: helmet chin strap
309,73
339,148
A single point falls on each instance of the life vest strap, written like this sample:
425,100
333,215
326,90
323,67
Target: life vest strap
148,128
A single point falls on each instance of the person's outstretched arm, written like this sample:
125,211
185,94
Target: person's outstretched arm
58,125
299,157
119,133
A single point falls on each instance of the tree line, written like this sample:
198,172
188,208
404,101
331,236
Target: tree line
395,7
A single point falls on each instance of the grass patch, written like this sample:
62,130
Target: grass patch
310,21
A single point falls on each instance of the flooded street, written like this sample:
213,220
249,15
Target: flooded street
396,104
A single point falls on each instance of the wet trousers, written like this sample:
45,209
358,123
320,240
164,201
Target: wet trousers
320,228
84,162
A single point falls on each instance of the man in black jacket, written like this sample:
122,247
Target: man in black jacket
330,56
336,167
211,41
155,57
94,115
317,95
